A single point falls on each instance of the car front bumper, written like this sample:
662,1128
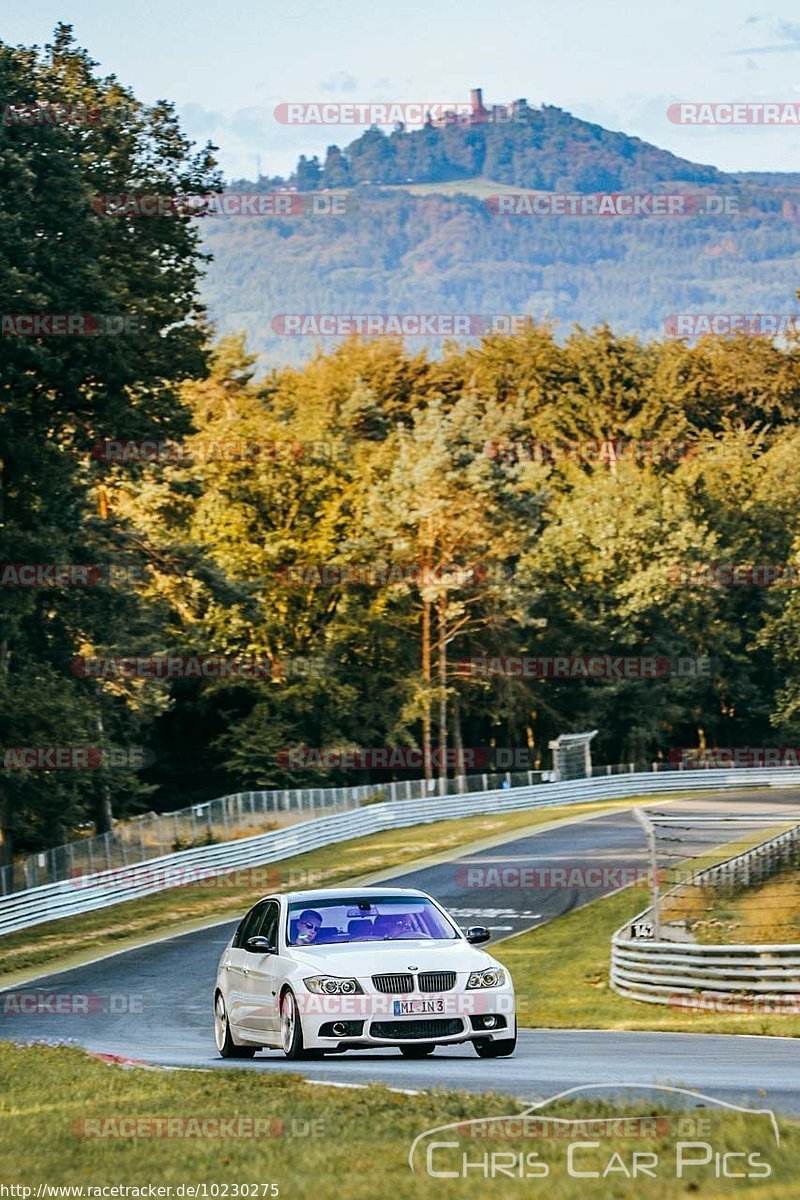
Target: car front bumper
331,1022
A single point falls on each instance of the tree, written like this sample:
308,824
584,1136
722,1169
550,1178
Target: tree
61,252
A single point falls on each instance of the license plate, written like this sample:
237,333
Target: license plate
415,1008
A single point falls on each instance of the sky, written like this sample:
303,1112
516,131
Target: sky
619,63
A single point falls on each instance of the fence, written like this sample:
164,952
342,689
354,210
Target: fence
685,974
152,835
70,897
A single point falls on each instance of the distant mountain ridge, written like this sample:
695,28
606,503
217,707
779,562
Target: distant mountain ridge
419,236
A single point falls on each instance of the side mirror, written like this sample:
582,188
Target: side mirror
259,945
476,934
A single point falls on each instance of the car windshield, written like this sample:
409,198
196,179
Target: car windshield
359,919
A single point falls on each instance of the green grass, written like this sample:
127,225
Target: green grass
479,187
561,972
341,1143
768,913
67,940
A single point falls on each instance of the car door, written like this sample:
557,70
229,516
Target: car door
237,966
260,1012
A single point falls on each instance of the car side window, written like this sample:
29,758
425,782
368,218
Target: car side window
250,924
269,923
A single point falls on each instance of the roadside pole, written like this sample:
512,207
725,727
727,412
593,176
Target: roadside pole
647,825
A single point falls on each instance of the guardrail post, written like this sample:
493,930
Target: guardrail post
647,826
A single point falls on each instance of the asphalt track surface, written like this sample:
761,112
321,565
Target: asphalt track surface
154,1003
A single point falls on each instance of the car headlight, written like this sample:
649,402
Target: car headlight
329,985
491,977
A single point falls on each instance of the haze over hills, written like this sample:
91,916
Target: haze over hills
419,234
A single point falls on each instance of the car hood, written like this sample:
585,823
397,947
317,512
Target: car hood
380,958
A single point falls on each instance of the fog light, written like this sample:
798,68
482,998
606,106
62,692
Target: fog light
339,1029
489,1022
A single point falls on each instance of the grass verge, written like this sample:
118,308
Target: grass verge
561,972
768,913
330,1142
173,911
479,186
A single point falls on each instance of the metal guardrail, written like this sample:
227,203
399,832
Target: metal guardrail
243,814
72,897
692,975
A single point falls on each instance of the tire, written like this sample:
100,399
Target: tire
421,1051
222,1033
502,1048
292,1030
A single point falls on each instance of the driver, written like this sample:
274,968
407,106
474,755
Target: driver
308,924
397,926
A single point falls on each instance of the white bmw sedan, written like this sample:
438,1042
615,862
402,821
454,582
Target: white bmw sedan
357,968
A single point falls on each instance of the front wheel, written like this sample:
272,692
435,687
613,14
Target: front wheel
417,1051
222,1033
292,1029
502,1048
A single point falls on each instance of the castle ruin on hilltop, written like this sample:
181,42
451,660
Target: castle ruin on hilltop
478,114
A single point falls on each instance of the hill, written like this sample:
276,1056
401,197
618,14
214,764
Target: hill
420,235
